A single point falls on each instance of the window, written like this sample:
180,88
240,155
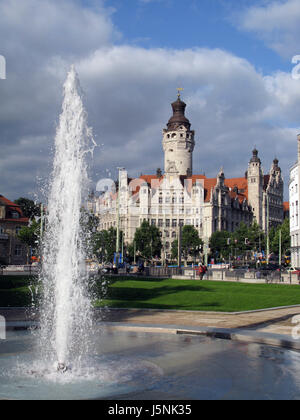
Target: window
15,215
18,250
153,222
174,223
160,200
160,222
174,235
168,223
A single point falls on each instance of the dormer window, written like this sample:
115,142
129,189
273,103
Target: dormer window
15,215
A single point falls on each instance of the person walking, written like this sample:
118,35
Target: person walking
201,271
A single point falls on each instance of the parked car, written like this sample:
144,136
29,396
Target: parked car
293,270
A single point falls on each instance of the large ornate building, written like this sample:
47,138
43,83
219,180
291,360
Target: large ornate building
177,196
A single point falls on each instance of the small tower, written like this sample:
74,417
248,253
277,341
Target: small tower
255,186
178,142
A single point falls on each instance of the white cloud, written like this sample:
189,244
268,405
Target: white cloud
277,23
128,90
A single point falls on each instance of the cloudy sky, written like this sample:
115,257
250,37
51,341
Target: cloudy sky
234,60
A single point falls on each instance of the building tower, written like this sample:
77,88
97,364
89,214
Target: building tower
255,187
178,142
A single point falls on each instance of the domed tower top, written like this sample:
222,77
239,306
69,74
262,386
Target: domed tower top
255,157
178,119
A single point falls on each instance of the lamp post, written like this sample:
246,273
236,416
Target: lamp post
179,245
118,218
268,230
280,252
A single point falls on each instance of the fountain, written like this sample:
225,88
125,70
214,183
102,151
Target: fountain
70,358
66,307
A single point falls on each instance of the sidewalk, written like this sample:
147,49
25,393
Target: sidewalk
276,321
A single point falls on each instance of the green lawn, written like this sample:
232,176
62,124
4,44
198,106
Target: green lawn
169,294
14,291
198,295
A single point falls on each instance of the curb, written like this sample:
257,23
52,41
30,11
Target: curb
236,335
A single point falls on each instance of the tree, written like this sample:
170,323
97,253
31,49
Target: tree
29,208
104,244
221,244
148,241
191,243
246,239
285,238
30,236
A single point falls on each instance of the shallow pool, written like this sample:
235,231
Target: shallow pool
141,366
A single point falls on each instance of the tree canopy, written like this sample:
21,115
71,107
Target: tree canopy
191,243
148,241
29,208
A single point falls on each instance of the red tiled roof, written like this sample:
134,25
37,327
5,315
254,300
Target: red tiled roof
10,207
209,184
7,202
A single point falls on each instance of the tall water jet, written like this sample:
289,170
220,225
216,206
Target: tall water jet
66,307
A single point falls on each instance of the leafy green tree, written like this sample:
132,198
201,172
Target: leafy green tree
148,241
104,244
244,240
285,238
247,238
30,235
191,243
221,244
29,208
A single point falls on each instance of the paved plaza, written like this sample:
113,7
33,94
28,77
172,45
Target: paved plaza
275,321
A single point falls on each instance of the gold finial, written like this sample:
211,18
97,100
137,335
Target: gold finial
179,92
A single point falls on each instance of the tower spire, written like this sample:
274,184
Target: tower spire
179,90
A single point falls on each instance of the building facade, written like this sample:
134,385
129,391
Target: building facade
12,251
176,197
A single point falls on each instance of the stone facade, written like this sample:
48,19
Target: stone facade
294,194
12,251
178,197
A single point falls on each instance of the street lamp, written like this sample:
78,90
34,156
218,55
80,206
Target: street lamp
118,217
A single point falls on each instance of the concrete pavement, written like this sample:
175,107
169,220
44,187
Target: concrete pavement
276,321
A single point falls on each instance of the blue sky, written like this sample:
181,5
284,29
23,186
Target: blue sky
192,24
233,59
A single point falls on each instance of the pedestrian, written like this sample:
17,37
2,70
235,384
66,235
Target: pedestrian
201,271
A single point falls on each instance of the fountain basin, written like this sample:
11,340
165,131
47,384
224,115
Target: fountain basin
142,365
